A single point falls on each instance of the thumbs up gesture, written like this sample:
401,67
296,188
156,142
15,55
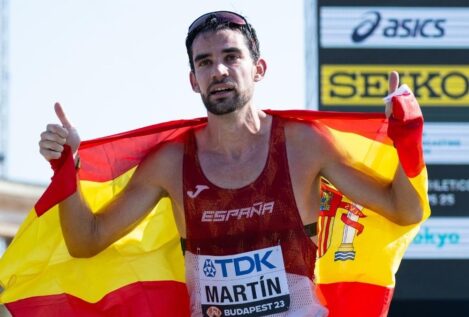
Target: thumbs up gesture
405,125
51,144
393,84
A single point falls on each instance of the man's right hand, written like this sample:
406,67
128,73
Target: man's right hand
51,144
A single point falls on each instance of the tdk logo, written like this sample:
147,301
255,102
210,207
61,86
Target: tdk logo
393,27
209,268
239,266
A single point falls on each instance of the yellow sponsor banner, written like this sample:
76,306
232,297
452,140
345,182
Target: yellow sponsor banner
366,85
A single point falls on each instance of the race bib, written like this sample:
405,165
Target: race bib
246,284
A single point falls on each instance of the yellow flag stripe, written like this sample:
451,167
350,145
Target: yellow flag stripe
151,252
374,255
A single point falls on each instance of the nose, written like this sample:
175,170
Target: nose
220,70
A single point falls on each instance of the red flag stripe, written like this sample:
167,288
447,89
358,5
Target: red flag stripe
64,183
144,299
124,153
351,298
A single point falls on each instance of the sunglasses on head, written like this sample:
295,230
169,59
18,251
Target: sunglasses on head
222,17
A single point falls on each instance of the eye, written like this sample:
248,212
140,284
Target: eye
232,57
203,62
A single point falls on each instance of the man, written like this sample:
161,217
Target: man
242,186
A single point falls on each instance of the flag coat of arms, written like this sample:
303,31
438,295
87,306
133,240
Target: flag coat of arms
142,274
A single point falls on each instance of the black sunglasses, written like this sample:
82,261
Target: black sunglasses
222,17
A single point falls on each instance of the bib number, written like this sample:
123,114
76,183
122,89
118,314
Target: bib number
246,284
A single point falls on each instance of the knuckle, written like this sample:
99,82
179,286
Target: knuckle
44,143
59,140
54,147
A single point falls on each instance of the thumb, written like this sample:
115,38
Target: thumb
62,117
393,81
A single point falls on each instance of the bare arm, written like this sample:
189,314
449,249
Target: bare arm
85,233
398,201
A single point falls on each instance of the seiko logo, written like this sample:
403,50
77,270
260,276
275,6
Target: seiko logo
438,85
198,190
247,212
398,27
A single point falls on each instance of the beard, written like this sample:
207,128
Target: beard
226,105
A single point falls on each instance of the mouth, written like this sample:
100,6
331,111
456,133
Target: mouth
221,91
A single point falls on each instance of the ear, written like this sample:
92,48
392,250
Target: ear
194,84
260,69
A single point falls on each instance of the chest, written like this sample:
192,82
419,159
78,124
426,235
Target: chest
245,186
234,172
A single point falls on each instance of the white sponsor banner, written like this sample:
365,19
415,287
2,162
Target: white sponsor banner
446,143
441,238
247,284
394,27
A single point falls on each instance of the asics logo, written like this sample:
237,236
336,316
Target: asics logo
198,190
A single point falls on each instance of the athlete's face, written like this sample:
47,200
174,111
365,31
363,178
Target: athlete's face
224,72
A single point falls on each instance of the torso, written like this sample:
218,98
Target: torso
303,163
243,210
260,210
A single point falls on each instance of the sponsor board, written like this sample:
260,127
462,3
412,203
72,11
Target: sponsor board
394,27
441,238
366,85
448,190
446,143
246,284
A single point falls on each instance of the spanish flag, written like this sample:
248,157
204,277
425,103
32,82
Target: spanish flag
359,251
142,274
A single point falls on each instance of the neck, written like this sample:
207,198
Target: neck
235,133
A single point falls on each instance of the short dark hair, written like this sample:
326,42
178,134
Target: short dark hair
213,23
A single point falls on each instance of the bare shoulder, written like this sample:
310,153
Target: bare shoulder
168,153
310,144
306,136
162,165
